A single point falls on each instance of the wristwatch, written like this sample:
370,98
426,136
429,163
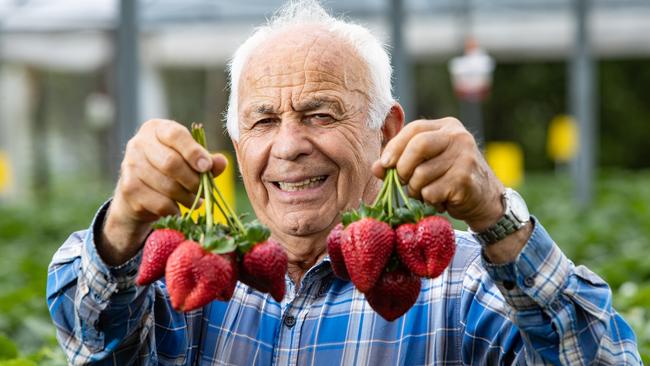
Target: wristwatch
515,217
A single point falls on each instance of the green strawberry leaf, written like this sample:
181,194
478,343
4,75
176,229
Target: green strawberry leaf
349,217
403,214
364,211
428,210
217,240
219,244
244,246
163,223
256,232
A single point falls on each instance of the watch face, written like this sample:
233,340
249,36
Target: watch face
518,206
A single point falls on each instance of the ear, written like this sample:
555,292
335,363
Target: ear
392,124
235,144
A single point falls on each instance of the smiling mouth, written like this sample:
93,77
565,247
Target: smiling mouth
308,183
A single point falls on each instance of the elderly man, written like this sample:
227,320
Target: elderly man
314,126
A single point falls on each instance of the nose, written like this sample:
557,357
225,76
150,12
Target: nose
291,141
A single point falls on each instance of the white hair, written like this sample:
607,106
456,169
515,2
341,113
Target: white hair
310,12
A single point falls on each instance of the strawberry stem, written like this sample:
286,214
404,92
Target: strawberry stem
209,188
399,189
390,197
208,201
380,195
196,201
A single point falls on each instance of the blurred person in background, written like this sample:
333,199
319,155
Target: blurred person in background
315,126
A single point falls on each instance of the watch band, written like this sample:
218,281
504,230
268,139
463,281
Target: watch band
516,215
504,227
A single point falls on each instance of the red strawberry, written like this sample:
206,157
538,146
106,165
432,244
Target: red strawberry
195,277
335,253
215,276
395,293
426,248
264,266
229,271
180,272
367,245
159,245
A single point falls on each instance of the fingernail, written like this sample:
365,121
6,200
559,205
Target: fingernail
385,160
203,164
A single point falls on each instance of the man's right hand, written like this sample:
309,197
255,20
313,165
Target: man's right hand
161,166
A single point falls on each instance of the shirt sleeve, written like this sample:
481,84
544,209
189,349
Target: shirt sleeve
101,317
564,312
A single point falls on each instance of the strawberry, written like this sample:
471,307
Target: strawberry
230,275
215,276
427,247
195,276
180,272
366,245
159,245
394,293
335,253
263,267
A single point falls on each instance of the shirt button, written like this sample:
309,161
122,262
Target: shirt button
509,285
289,321
529,281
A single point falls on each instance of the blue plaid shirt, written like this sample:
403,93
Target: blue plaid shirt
540,309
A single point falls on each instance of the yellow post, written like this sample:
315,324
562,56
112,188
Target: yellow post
226,183
562,139
5,173
507,161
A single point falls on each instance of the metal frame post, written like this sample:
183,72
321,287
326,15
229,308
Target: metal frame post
582,102
127,73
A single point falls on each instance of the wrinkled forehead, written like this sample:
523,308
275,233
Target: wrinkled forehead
303,54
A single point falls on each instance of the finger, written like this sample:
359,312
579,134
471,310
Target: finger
146,203
397,144
180,139
428,172
436,194
422,147
164,185
378,170
219,164
170,163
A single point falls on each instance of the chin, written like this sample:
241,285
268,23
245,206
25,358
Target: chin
304,223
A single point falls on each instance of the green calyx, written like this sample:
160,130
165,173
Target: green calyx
391,206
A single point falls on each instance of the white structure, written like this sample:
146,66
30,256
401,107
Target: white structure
78,35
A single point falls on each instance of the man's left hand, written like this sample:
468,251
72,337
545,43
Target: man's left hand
441,164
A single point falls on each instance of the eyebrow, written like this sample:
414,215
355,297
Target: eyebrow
317,102
308,105
263,109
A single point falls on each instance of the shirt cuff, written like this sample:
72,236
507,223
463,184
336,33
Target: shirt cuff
538,274
104,280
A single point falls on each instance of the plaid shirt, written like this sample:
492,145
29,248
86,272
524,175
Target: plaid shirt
540,309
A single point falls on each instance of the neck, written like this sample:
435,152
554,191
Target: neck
303,252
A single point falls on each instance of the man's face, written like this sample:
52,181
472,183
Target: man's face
305,150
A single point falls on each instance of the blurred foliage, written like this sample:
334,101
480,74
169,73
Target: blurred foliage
30,234
611,238
526,96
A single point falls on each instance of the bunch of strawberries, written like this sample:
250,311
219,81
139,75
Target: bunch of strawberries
386,248
203,260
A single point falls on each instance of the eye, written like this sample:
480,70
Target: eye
320,118
264,122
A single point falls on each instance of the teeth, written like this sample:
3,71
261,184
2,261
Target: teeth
305,184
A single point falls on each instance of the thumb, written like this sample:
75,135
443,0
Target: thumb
378,169
219,163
